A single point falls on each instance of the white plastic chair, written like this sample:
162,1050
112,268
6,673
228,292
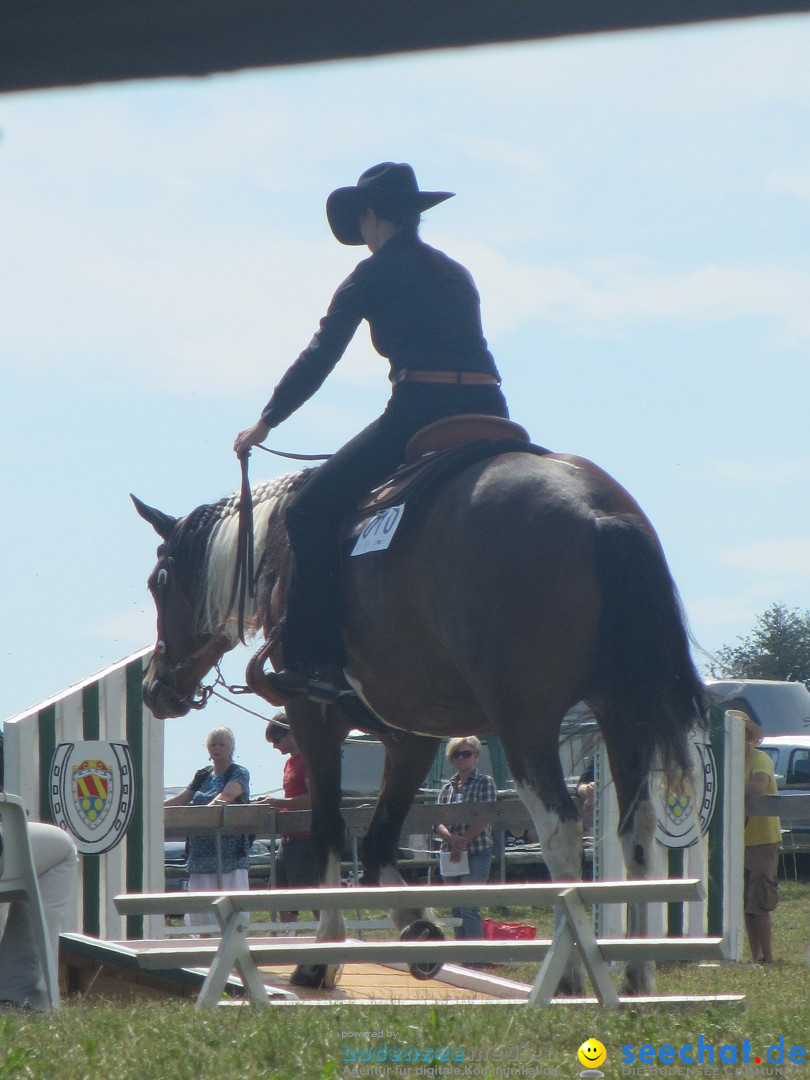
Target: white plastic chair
18,880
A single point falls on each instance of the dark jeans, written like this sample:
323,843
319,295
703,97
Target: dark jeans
480,868
296,865
312,631
296,868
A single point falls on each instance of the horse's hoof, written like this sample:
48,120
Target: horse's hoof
317,976
423,930
332,976
638,979
635,985
571,984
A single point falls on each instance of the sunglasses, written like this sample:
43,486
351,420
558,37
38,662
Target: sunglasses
463,753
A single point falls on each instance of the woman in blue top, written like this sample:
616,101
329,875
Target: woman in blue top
423,311
218,784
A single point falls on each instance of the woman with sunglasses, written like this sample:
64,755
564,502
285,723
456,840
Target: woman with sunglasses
468,847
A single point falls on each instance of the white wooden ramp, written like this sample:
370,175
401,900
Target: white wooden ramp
573,937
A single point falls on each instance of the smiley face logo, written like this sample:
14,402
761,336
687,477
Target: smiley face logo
592,1054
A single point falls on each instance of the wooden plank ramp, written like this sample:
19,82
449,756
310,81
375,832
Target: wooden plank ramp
105,970
573,935
124,970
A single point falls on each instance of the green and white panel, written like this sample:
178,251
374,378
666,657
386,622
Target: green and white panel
709,815
108,706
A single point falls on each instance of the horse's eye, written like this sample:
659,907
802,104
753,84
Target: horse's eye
162,577
161,648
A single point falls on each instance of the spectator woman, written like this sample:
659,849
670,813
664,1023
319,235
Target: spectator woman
219,784
467,845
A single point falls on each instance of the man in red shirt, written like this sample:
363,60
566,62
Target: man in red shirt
296,865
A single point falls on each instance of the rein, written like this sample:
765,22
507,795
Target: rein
243,588
244,576
244,584
293,457
232,688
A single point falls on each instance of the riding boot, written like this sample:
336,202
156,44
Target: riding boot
319,682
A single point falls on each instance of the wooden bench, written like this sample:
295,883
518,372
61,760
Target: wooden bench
573,933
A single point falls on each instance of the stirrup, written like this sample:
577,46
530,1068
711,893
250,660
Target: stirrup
318,682
323,691
324,682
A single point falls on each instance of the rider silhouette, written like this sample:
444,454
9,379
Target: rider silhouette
423,311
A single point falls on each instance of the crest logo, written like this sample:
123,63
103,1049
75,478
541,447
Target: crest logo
685,806
92,793
91,789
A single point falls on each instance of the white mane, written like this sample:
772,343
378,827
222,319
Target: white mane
221,552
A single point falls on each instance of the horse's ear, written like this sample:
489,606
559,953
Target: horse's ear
163,524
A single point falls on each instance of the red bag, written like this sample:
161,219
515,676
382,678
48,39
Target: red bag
507,931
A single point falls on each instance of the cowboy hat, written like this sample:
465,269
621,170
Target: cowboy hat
382,187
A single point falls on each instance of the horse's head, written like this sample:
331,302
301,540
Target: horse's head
186,648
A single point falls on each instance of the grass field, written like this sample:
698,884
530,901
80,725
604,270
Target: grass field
170,1039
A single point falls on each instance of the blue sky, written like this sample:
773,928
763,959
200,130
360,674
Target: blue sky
635,209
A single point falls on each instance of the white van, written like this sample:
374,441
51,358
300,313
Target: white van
791,765
782,708
791,761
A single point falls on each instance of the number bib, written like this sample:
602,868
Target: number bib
378,532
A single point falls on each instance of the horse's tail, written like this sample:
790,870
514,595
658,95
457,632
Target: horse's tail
646,661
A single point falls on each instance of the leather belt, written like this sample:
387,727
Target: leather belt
449,378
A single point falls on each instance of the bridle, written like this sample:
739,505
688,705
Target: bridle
244,585
163,575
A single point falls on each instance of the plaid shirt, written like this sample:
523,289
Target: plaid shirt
478,787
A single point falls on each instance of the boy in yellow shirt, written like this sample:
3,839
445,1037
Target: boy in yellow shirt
763,836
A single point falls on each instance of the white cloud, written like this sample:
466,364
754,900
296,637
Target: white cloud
795,182
611,298
756,475
129,630
783,561
720,618
176,229
235,311
717,611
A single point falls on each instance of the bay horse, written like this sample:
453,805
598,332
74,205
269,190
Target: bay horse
528,584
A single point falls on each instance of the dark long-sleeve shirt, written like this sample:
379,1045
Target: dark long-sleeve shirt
423,310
